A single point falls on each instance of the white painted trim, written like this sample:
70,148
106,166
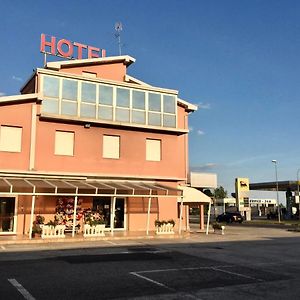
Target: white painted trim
128,60
129,78
32,137
17,98
188,105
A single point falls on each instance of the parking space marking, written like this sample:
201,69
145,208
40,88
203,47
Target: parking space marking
150,280
236,274
21,289
182,269
3,248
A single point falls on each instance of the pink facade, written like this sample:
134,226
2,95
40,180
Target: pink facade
34,116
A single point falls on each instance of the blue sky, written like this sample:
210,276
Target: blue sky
237,59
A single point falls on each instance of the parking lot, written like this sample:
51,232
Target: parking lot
250,263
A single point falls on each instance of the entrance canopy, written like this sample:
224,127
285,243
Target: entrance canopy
49,186
272,186
192,195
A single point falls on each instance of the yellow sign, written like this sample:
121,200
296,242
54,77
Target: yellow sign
242,192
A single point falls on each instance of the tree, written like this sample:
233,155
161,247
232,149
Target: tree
220,193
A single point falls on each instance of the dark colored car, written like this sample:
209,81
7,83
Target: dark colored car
230,217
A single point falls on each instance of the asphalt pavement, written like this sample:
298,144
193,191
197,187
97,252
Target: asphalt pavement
248,263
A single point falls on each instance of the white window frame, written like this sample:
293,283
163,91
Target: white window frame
11,138
111,146
61,146
153,149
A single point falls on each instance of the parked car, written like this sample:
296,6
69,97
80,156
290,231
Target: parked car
230,217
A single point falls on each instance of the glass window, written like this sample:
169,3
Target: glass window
64,143
69,108
88,92
87,110
105,94
51,87
154,119
105,112
10,138
50,106
138,117
153,150
123,97
69,89
111,146
122,115
169,121
138,100
169,104
154,102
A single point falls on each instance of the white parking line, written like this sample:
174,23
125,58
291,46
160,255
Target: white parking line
236,274
153,281
3,248
182,269
21,289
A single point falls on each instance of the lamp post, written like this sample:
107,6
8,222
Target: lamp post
274,161
298,192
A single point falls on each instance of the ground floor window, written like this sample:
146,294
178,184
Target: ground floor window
7,214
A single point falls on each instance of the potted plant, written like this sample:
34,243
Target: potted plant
164,227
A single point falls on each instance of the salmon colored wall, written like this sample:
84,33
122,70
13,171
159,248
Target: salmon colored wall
88,152
18,115
182,118
115,71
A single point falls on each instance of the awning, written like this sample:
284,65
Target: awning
192,195
69,187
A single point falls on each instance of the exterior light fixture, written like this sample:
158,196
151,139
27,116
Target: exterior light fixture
87,125
274,161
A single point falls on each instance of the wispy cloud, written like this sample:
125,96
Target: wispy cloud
200,132
205,167
191,128
204,105
249,159
2,94
17,78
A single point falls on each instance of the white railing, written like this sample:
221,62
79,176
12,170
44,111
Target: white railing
95,230
49,231
165,229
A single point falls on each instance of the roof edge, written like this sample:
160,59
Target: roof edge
18,98
57,65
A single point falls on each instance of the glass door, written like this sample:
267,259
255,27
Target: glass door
7,214
104,205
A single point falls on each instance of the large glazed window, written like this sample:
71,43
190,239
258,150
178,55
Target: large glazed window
105,102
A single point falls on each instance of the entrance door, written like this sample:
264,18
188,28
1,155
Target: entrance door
103,206
7,214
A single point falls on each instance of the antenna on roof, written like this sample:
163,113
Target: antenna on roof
119,28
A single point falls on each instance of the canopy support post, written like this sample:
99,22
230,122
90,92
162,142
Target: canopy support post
113,214
75,213
148,215
32,213
180,216
208,217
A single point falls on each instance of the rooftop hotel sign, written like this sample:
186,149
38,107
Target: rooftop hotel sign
67,49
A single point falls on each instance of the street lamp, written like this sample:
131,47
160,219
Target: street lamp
274,161
298,192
